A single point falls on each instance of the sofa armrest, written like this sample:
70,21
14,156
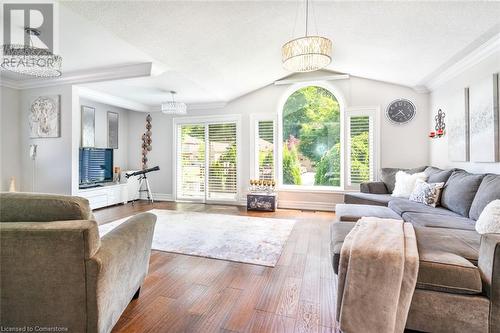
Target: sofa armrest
117,270
489,265
373,187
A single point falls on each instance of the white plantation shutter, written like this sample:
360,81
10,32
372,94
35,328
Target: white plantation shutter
265,149
222,161
191,162
360,149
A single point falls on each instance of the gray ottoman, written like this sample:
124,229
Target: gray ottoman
352,213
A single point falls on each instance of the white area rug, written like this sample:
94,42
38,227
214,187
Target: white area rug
252,240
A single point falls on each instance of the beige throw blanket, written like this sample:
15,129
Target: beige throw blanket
377,276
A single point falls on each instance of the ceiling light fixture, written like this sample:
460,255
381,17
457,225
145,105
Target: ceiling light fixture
30,60
173,107
308,53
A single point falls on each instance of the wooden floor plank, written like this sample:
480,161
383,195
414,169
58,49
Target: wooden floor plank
267,322
308,318
193,294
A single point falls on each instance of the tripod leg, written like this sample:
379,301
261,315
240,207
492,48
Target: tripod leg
150,194
141,181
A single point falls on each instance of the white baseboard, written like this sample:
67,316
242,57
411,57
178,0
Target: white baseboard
158,196
305,205
287,204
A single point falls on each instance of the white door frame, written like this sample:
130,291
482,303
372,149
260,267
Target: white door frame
207,120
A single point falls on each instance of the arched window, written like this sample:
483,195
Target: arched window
311,138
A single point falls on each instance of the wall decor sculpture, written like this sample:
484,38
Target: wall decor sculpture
146,142
44,118
483,112
440,126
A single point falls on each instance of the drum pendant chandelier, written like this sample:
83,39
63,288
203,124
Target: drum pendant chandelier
308,53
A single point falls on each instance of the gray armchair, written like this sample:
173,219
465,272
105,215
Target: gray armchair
57,272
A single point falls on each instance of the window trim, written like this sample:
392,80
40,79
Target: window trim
279,165
255,118
373,111
205,120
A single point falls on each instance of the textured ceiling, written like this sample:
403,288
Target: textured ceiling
216,51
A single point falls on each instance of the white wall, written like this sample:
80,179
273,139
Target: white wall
120,155
10,138
443,98
401,146
54,162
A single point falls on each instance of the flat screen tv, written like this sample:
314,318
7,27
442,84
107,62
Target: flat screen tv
96,165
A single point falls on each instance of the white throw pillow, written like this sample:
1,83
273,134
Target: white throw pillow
405,183
489,220
426,193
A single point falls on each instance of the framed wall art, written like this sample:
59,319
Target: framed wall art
113,123
45,117
88,126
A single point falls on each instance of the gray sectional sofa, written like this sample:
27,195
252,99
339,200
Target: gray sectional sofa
458,285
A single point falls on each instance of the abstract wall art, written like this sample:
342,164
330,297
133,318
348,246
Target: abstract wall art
44,117
484,123
88,126
113,120
458,127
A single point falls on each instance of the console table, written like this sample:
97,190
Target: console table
105,195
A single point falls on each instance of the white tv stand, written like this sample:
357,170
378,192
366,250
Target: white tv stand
106,195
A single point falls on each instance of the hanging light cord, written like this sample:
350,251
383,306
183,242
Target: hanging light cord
307,14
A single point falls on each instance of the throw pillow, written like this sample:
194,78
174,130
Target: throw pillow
426,193
489,220
405,183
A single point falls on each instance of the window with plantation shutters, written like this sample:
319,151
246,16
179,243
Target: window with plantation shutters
360,149
207,159
265,149
222,169
191,161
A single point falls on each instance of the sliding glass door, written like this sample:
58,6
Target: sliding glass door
207,161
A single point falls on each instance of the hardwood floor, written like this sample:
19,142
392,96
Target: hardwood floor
193,294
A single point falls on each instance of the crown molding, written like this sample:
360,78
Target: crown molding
482,52
120,102
8,83
195,106
421,89
312,78
84,76
206,106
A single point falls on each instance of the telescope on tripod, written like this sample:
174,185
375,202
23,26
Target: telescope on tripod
143,179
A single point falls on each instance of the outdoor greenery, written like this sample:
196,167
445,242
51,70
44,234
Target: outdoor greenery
291,166
311,137
311,130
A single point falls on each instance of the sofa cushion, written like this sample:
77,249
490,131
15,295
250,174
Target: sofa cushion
367,199
401,206
447,257
459,191
439,221
488,191
352,213
447,260
388,175
436,175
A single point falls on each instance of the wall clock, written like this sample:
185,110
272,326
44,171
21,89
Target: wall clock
401,111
